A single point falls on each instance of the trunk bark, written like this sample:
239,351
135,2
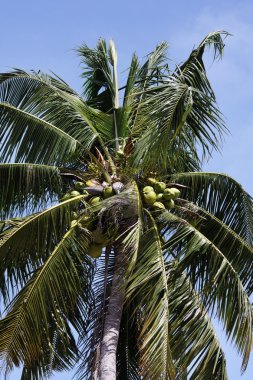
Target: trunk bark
107,365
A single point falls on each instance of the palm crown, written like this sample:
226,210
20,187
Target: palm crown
107,218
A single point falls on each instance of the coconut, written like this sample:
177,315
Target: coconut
95,250
91,182
74,193
79,186
85,193
73,223
150,197
117,187
151,180
87,222
94,200
159,196
99,237
160,187
148,189
74,215
169,204
168,194
159,205
65,197
108,192
176,193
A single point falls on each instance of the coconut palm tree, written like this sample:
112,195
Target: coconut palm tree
116,250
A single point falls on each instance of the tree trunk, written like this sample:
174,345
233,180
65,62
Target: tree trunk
107,365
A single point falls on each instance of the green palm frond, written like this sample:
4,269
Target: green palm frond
237,251
37,105
182,114
182,117
49,298
148,286
156,59
222,196
192,71
97,73
212,268
196,349
27,187
28,243
27,137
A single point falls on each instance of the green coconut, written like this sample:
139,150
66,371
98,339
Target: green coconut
148,189
87,222
159,196
74,193
176,193
74,215
85,193
95,250
159,205
79,186
168,194
160,187
149,197
73,223
151,180
94,200
108,192
169,204
66,197
91,182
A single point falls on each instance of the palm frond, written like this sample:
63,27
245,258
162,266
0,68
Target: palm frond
27,187
43,100
154,60
26,137
46,303
181,119
26,244
149,290
221,196
222,281
192,71
196,349
182,115
97,73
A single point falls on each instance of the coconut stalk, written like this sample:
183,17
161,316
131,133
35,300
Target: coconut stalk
108,351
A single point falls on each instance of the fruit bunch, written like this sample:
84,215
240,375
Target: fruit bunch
94,192
160,195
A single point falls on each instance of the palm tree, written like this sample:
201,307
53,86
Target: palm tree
116,250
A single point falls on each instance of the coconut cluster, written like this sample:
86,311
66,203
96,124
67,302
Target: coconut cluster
160,195
93,192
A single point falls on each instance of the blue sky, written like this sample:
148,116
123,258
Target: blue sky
42,35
